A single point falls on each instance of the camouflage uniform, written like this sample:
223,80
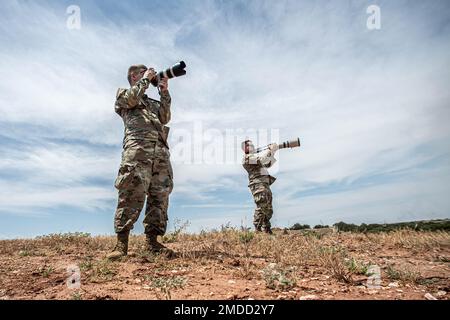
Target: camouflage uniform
145,168
260,180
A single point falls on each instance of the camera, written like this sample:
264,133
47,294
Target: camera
290,144
176,70
287,144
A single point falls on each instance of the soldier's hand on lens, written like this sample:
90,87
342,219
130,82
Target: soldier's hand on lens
164,84
273,147
150,74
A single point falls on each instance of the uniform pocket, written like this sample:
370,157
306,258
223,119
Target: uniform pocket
125,176
261,197
258,187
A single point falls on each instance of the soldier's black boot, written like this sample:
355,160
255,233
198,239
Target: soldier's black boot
152,245
268,230
258,229
121,248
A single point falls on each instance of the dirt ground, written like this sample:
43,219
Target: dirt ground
231,264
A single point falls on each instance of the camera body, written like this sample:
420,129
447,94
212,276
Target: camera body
176,70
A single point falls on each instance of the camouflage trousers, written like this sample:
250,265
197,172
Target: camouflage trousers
263,199
145,174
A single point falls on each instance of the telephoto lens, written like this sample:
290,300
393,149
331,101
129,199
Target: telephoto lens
287,144
175,71
290,144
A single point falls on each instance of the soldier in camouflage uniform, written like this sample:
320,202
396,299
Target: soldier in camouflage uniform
256,165
145,170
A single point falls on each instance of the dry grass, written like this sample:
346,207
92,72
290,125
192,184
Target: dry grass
280,262
405,274
305,250
410,239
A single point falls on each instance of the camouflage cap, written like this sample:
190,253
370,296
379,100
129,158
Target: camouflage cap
134,69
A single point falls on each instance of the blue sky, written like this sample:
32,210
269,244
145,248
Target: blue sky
370,106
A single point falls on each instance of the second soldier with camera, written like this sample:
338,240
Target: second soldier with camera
255,162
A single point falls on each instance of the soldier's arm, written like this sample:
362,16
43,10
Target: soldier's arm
130,97
164,113
266,158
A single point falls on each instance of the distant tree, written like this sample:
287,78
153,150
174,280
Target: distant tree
429,225
319,226
342,226
299,226
363,227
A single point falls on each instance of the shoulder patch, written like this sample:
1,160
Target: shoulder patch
119,92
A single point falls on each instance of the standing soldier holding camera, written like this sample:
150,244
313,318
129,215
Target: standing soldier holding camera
256,164
145,170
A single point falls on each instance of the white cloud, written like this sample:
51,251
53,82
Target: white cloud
31,201
51,176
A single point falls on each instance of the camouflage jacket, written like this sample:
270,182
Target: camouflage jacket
144,118
256,165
